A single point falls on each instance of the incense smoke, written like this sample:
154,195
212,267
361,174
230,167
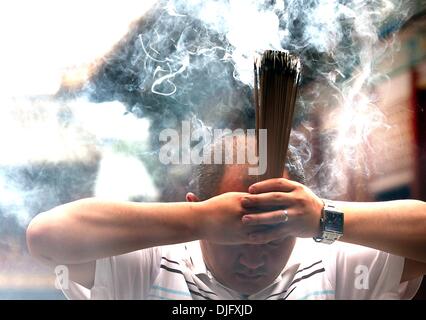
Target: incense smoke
193,60
187,59
56,152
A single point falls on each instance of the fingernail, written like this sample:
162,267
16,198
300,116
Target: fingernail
252,189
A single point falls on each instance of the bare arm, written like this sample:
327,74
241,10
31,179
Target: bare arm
89,229
86,230
78,233
397,227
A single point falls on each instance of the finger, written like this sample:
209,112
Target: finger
270,185
268,235
263,209
271,199
267,218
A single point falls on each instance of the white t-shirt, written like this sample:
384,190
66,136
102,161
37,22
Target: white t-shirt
314,271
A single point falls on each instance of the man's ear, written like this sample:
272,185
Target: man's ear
190,197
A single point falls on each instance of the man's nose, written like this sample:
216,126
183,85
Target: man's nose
252,258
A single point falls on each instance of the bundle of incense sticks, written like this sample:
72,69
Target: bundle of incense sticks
276,76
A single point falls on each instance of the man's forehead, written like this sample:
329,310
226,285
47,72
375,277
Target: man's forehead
236,178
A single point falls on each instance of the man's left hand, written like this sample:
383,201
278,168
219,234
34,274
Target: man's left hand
290,208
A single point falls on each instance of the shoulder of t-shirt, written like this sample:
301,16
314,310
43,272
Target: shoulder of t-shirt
360,272
307,251
334,256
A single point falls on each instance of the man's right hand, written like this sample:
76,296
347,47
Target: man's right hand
219,219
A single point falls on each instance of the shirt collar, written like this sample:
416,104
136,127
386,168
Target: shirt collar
195,257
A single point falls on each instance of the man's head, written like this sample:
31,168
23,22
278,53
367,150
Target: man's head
244,268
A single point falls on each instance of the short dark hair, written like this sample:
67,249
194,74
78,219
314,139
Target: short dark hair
206,178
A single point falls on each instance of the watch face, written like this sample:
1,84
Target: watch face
333,221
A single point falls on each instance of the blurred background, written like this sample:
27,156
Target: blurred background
86,89
393,155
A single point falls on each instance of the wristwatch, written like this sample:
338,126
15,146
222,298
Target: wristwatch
331,223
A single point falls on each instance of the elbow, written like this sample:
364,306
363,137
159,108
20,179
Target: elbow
37,238
52,238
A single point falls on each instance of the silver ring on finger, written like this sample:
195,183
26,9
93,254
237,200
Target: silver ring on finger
285,216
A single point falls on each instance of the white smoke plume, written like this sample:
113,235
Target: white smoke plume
195,57
186,59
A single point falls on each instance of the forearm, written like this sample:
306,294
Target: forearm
397,227
90,229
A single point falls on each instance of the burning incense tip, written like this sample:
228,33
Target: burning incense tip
276,76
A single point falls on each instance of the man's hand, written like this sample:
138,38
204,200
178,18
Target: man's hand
220,219
303,208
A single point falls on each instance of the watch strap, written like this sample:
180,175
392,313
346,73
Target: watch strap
327,236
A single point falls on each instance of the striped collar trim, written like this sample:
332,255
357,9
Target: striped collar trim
195,259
